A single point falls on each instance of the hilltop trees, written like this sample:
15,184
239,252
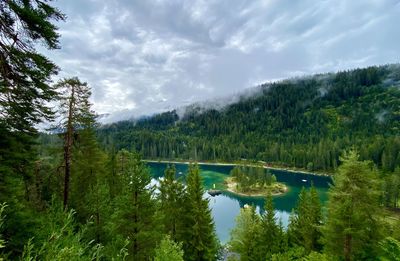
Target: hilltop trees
302,123
352,229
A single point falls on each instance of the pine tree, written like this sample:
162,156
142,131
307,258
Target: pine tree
25,89
305,222
270,233
200,239
352,229
245,235
135,216
24,73
172,202
76,114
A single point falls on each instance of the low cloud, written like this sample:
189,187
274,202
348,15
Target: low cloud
143,57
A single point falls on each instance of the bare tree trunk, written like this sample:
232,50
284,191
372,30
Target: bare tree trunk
68,147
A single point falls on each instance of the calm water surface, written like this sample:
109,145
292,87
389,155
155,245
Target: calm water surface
226,207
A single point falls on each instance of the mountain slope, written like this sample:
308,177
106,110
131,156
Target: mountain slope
305,122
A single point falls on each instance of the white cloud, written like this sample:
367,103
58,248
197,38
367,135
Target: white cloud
142,57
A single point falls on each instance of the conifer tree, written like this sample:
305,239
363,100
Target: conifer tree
135,216
200,239
245,235
172,201
305,222
76,114
270,233
25,89
352,229
24,73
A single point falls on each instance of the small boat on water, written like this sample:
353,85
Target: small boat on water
304,180
214,192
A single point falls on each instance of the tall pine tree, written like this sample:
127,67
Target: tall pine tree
200,239
76,114
25,89
172,201
135,216
270,240
352,229
305,222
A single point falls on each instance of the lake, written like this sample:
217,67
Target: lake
226,207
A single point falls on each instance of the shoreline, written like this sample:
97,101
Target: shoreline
235,164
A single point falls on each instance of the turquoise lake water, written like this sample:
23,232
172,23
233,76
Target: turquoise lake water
226,207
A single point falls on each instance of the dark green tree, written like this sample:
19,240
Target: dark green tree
25,90
135,215
306,220
270,233
24,73
353,229
200,239
172,195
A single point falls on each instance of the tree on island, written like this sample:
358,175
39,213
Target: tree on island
250,180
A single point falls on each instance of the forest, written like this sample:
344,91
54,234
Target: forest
83,192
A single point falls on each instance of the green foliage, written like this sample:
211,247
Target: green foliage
168,250
24,73
172,196
306,221
272,238
390,249
353,226
245,235
2,241
65,241
200,242
135,215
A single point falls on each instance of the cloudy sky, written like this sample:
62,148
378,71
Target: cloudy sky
146,56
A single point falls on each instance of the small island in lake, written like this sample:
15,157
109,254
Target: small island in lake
253,181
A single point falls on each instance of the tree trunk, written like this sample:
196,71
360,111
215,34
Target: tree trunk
347,248
68,147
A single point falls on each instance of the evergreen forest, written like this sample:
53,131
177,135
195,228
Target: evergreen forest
83,191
